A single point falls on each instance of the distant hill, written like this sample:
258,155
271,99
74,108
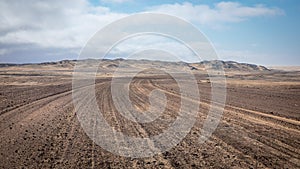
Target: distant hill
113,64
234,66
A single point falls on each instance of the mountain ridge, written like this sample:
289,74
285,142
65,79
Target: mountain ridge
113,63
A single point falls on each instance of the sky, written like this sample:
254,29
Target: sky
263,32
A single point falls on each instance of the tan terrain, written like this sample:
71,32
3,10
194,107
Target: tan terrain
260,127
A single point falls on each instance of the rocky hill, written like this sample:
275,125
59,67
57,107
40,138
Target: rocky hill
113,64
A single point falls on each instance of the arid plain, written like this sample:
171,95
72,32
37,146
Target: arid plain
260,126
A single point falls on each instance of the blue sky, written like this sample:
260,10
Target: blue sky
262,32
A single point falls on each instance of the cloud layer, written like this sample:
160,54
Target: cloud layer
222,12
67,25
62,24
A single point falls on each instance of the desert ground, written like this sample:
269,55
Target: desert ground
260,126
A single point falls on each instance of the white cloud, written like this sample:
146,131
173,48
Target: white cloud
3,51
247,56
163,44
221,12
115,1
69,24
62,24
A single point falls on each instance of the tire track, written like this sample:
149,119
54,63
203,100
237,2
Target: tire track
271,119
254,138
26,110
136,128
270,144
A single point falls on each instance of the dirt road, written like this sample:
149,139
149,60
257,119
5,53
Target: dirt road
260,127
